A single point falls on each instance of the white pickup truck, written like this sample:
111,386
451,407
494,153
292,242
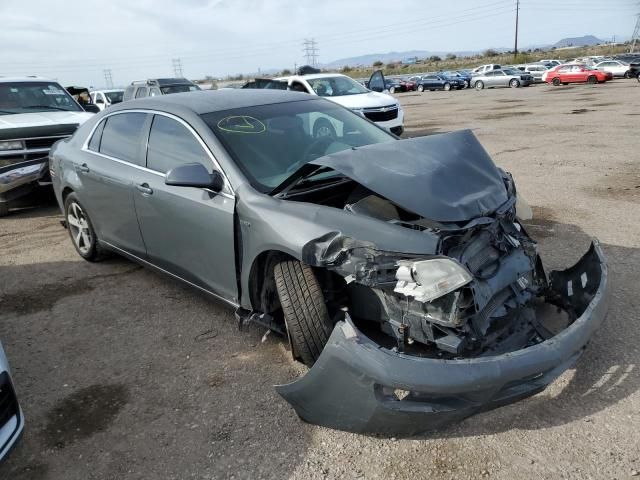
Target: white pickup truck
34,114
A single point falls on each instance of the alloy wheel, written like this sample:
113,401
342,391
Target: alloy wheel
79,227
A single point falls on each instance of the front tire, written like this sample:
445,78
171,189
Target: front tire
446,87
421,88
592,80
514,83
627,74
479,85
305,313
81,231
392,90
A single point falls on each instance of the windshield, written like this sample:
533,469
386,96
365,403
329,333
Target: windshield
185,87
114,97
269,143
29,97
336,86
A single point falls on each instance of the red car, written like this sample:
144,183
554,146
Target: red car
575,73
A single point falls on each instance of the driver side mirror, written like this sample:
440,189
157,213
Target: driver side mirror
195,175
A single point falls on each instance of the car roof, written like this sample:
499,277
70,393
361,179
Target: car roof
207,101
26,78
311,76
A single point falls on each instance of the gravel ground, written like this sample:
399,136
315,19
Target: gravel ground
124,374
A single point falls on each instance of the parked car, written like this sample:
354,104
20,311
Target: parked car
372,102
414,307
11,416
551,62
106,98
459,74
411,85
618,68
395,85
576,73
482,69
433,82
502,78
536,70
158,86
34,114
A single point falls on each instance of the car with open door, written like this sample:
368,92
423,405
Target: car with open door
373,102
401,271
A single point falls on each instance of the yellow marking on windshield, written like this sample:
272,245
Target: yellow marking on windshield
241,124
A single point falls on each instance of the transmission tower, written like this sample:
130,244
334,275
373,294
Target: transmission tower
108,79
310,50
177,67
635,36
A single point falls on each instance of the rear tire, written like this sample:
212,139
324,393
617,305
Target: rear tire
305,313
556,82
479,85
81,231
592,79
392,90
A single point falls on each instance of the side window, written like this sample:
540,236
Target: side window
172,144
298,87
128,93
141,92
154,91
94,143
122,137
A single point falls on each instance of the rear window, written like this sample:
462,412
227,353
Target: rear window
122,137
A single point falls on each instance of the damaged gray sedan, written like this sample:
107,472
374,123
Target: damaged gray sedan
399,270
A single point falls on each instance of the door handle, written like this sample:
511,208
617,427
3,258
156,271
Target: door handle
83,168
144,188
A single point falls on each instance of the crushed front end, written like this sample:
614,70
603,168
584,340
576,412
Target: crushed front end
424,340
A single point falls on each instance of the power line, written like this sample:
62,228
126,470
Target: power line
177,67
515,48
310,51
108,79
635,36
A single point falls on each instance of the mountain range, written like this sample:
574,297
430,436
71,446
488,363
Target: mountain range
368,59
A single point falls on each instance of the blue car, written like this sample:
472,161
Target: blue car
460,75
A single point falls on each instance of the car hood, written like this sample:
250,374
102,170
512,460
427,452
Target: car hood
364,100
43,119
447,177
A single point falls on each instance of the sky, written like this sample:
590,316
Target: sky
74,42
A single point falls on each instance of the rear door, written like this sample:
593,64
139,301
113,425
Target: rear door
111,159
377,81
188,231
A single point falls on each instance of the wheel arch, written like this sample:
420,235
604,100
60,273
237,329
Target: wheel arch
261,276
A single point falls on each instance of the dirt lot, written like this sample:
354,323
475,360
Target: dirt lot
124,374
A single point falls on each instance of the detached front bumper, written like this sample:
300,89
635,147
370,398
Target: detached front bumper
15,179
358,386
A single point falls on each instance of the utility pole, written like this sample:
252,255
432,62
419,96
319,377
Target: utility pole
177,67
515,48
635,36
108,79
310,50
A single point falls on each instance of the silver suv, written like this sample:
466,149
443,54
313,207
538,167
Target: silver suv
158,86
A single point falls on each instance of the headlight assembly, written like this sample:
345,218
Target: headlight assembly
426,280
11,145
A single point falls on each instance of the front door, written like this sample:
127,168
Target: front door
376,81
109,163
187,231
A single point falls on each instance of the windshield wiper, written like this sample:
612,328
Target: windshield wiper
47,106
300,181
